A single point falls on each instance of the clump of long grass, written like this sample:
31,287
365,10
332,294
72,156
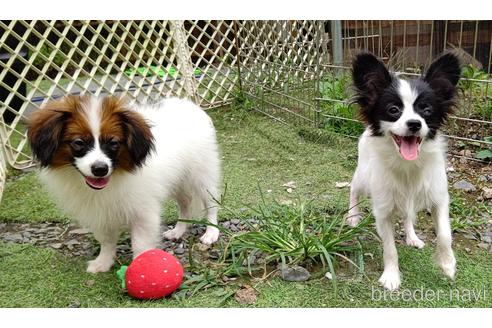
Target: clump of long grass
292,234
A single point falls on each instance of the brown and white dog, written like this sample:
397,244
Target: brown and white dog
110,164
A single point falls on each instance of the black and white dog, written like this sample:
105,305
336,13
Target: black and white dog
401,163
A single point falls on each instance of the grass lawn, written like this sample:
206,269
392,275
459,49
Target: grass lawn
256,152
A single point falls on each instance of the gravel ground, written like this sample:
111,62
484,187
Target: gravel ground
74,241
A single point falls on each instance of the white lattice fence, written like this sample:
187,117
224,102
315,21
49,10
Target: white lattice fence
212,50
3,172
146,60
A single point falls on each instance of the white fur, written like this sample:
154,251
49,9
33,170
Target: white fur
184,166
408,97
402,188
96,155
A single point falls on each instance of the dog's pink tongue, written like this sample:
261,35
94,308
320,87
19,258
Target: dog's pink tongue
409,148
97,183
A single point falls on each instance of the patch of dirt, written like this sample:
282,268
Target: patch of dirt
246,295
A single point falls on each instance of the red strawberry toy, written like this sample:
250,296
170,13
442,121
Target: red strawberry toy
153,274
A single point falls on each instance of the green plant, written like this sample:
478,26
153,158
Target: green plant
463,216
339,114
476,93
291,234
46,51
471,72
485,154
208,278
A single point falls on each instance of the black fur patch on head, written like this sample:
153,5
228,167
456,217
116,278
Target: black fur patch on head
377,91
110,147
45,132
371,79
443,76
139,138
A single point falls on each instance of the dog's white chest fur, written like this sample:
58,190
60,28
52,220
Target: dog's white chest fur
398,185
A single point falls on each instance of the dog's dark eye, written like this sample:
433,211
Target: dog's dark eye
394,110
424,108
78,144
113,144
427,111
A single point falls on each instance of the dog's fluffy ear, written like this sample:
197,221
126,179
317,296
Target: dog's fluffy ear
370,78
443,75
45,129
139,138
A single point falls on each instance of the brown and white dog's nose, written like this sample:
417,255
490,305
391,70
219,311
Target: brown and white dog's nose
414,125
99,169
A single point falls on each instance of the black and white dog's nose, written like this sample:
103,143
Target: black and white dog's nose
99,169
414,125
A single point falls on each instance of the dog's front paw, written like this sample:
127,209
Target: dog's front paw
175,233
390,279
353,220
447,263
210,236
99,265
415,242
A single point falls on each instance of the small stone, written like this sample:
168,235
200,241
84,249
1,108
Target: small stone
295,273
74,304
342,184
487,192
202,247
464,185
234,228
15,237
56,245
466,153
72,242
235,221
328,275
79,232
487,239
89,283
179,251
290,184
482,178
484,245
226,224
469,236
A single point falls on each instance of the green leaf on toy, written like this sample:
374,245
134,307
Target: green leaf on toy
121,275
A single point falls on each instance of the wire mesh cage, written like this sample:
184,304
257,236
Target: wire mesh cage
299,72
296,72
